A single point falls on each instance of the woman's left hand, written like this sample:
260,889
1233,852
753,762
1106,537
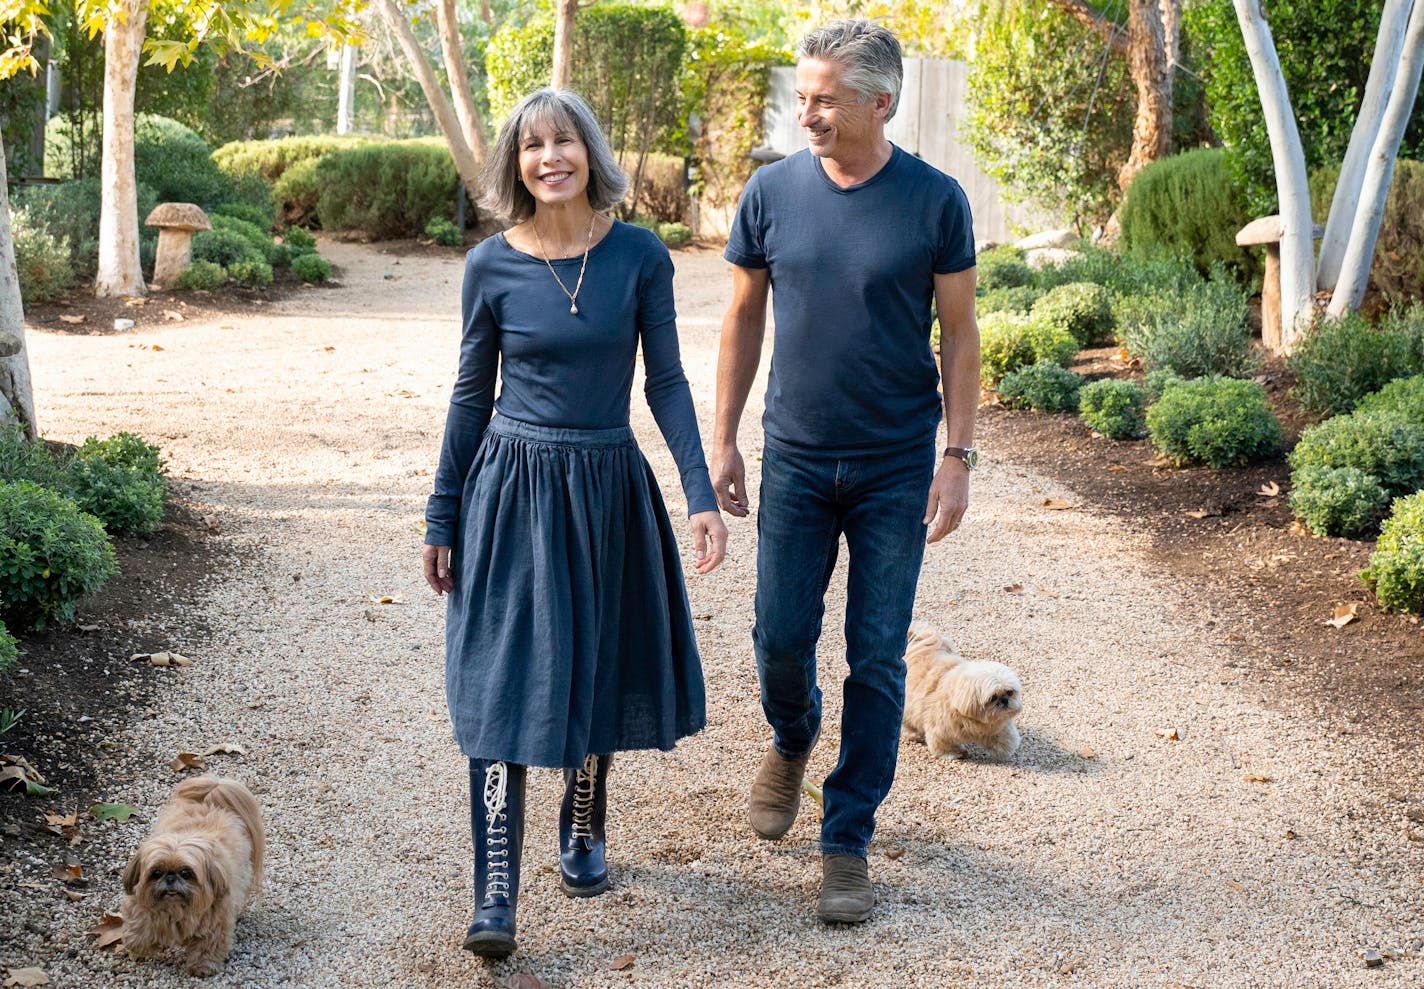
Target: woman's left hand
709,536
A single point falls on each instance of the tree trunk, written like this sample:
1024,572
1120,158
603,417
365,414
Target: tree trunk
1152,75
119,270
346,90
566,12
1345,203
465,162
471,125
1379,172
1172,34
1297,241
16,394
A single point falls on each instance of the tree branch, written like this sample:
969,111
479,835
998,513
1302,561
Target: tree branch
1096,21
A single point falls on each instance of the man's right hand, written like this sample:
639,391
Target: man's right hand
729,481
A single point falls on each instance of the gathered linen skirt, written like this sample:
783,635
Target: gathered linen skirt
568,630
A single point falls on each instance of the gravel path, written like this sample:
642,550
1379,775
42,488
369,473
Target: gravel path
1107,853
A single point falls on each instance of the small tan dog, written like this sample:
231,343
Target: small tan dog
192,876
951,702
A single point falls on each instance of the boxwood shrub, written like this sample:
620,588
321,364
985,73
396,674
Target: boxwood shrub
201,275
1083,308
1386,445
9,650
1017,299
1338,363
1112,407
311,268
1001,267
52,554
1217,421
1043,387
224,247
120,481
1402,395
1004,346
1338,501
1396,568
1051,341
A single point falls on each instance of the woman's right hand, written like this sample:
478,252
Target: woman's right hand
435,561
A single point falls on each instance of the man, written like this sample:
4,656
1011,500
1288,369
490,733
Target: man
858,238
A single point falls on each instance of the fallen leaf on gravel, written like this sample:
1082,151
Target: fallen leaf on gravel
1297,528
897,852
1235,885
160,659
108,932
328,349
1014,588
212,523
72,896
112,812
622,962
173,314
1055,504
61,820
72,320
26,977
1047,592
88,628
1291,835
1169,733
1202,513
703,616
385,599
524,981
224,748
1271,490
135,300
1117,467
71,873
812,790
1253,778
1344,614
1086,752
16,772
156,347
186,761
1373,959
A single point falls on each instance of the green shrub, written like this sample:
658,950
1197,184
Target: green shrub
387,190
674,234
1338,363
662,192
1043,387
1202,332
1396,568
23,460
200,275
251,274
224,247
280,256
1083,308
1217,421
258,239
120,481
70,212
1018,299
298,192
1386,445
1155,383
1112,407
1004,346
299,239
1189,204
444,232
41,261
311,268
176,163
1403,395
1337,501
1001,267
255,215
270,160
1154,274
52,554
9,651
1051,341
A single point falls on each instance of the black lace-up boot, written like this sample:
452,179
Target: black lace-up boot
583,863
497,825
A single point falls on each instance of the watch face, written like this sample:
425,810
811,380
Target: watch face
971,459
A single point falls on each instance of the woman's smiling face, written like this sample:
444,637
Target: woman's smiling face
553,160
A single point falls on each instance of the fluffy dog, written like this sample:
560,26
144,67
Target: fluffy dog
192,876
951,702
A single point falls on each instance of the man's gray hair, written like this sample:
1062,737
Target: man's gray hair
505,193
870,53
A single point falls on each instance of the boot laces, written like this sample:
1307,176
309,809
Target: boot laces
584,781
496,832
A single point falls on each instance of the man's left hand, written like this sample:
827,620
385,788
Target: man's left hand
949,497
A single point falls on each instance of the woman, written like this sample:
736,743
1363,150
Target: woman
568,633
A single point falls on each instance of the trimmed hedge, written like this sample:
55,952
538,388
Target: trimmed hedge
1338,501
52,554
1396,568
387,190
1216,421
1402,395
120,481
1043,387
1001,267
1004,346
1386,445
1112,407
1083,308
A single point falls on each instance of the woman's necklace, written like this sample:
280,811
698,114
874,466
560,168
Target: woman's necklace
588,243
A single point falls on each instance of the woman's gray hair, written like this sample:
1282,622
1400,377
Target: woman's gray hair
505,193
870,53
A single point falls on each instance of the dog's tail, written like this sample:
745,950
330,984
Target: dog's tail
925,635
236,799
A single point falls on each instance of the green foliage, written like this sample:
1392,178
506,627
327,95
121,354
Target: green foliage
269,161
1402,395
1189,204
1338,363
255,215
1112,407
280,256
1043,387
1051,341
9,653
224,247
23,460
444,232
251,274
300,240
663,192
1082,308
1001,267
387,190
1050,111
1018,299
175,162
204,275
1396,569
311,268
1397,271
1004,346
1337,501
1325,53
70,213
1156,382
674,234
52,554
297,192
41,261
257,238
1201,332
1217,421
120,481
1386,445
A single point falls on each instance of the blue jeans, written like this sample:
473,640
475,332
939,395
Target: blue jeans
807,503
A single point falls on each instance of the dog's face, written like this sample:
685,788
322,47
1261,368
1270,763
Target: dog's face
170,874
997,693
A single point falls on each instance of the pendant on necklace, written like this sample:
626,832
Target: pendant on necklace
573,309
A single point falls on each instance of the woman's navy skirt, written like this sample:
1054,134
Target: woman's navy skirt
568,631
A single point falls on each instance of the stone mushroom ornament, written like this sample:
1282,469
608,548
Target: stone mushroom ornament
1268,231
176,223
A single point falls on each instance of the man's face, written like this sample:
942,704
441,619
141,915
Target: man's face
838,125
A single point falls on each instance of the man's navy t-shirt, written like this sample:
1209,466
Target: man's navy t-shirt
852,274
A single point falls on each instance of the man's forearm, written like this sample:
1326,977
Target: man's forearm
959,370
737,363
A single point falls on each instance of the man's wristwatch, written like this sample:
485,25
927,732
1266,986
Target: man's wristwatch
968,454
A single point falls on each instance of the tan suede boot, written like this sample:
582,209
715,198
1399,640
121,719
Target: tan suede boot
846,894
776,794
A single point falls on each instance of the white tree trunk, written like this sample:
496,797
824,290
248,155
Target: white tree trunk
346,89
119,270
16,394
565,19
1292,184
1383,68
471,124
465,162
1172,32
1379,172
